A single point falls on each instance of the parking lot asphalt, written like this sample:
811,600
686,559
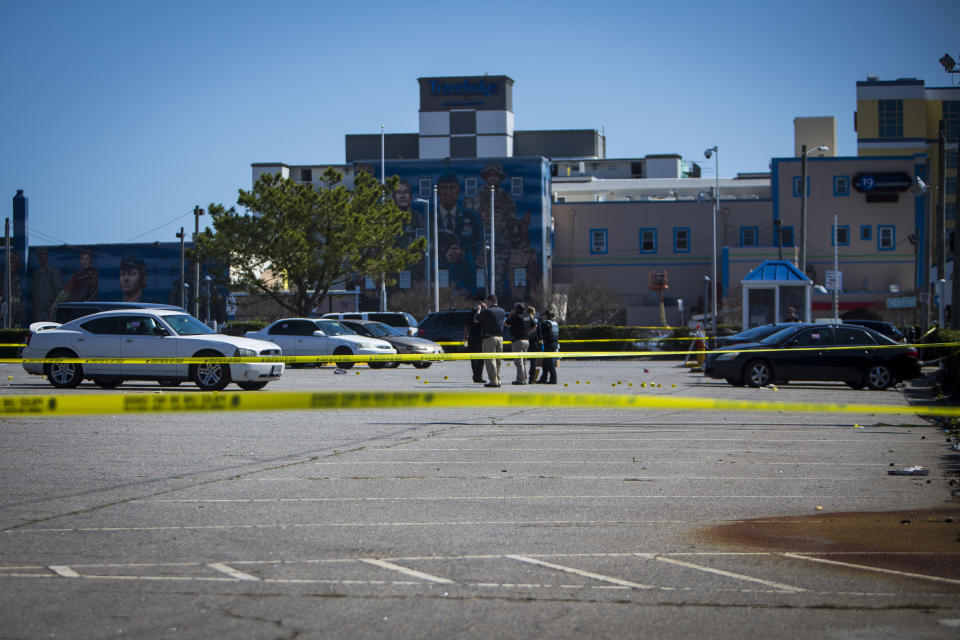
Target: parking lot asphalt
511,521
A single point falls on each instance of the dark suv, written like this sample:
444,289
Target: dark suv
446,326
886,328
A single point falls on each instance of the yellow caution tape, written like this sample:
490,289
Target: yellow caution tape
63,405
440,357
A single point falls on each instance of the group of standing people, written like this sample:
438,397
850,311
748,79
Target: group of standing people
488,327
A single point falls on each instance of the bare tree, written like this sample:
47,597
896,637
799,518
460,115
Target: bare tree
593,303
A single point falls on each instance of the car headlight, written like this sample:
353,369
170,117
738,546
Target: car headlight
244,353
728,356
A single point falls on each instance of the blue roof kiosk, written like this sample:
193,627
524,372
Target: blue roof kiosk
771,290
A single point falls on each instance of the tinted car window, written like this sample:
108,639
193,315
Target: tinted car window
105,326
813,338
281,329
847,337
138,325
332,328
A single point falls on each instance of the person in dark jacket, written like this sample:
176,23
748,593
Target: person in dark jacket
490,318
520,326
550,335
474,339
535,343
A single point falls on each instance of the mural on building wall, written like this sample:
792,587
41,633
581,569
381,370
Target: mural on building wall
519,207
105,272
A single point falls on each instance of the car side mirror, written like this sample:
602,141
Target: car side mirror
160,331
319,334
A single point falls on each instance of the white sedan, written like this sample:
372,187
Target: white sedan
320,337
146,333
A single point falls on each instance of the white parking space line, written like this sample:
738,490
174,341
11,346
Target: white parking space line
406,571
728,574
865,567
233,573
64,571
622,496
585,574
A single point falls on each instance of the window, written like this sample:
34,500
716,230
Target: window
481,279
368,283
890,118
463,146
886,237
561,199
425,188
866,232
951,187
404,279
849,337
516,186
796,186
952,159
748,237
681,239
463,122
786,236
519,278
841,186
648,240
470,187
841,234
951,121
443,278
108,325
598,240
306,175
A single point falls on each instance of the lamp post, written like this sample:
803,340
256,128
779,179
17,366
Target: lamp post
714,151
436,260
383,182
493,242
803,203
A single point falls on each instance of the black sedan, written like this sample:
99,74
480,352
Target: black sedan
809,352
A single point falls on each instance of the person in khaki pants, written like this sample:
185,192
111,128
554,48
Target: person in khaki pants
520,327
490,318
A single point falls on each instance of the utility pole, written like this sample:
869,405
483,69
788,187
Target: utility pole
197,212
183,275
8,281
955,305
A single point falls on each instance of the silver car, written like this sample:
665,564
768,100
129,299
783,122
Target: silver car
320,337
146,333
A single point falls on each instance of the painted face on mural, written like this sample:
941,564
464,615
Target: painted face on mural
401,196
447,193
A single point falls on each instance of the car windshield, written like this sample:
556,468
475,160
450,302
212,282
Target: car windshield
184,325
756,332
333,328
783,334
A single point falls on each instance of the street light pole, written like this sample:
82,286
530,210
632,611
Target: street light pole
803,203
714,151
426,261
493,242
436,260
383,182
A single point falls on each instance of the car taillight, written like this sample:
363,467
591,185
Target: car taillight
421,332
912,352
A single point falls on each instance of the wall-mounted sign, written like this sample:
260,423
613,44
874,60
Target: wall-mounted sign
880,182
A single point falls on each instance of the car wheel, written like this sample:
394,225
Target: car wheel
757,373
210,376
169,382
422,365
252,386
63,375
343,351
878,376
108,383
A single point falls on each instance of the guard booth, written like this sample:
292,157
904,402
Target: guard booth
776,291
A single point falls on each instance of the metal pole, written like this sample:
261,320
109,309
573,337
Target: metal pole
436,258
803,209
493,242
836,271
716,213
8,280
197,212
955,251
942,210
183,275
383,181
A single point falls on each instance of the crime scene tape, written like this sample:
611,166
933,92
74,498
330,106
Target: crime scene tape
441,357
63,405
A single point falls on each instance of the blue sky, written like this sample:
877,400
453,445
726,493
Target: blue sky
119,117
